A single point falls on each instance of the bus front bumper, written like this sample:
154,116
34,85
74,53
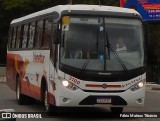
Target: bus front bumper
80,98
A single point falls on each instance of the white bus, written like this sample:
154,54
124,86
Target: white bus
67,56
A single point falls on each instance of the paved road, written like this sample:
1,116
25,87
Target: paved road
8,100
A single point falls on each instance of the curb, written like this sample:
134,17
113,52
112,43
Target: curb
2,79
155,87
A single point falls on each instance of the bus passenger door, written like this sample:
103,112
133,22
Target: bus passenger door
52,74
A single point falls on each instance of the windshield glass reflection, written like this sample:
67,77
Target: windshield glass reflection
102,44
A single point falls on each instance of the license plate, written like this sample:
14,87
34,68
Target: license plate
103,100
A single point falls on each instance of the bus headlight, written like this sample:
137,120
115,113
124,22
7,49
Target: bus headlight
65,83
140,84
69,85
137,86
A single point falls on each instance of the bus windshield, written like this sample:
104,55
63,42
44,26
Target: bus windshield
101,43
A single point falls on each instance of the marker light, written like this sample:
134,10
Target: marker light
65,83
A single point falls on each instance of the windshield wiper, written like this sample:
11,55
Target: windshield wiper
85,65
118,58
109,46
88,59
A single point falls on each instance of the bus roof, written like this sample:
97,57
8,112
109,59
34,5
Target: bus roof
61,8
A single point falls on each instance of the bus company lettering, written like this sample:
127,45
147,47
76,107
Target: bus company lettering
38,58
74,80
131,82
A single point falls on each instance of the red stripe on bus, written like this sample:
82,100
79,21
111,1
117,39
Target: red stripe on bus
93,85
99,86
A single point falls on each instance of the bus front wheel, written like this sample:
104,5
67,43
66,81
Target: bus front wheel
50,109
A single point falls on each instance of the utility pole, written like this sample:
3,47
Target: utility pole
69,2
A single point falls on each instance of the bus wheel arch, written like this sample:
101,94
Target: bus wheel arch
49,109
20,97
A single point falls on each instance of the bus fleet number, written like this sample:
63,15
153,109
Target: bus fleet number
74,80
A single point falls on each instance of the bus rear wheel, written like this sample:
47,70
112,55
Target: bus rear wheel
116,109
49,109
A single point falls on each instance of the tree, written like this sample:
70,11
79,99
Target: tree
11,9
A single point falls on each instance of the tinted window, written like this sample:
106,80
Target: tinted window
31,35
18,37
47,33
10,38
39,34
25,34
13,37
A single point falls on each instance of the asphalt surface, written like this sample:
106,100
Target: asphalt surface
8,101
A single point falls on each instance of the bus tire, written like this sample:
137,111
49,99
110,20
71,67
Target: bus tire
20,97
49,109
116,109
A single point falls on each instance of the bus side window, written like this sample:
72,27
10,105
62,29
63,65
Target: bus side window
19,33
25,34
47,38
21,36
31,35
10,38
39,34
14,32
